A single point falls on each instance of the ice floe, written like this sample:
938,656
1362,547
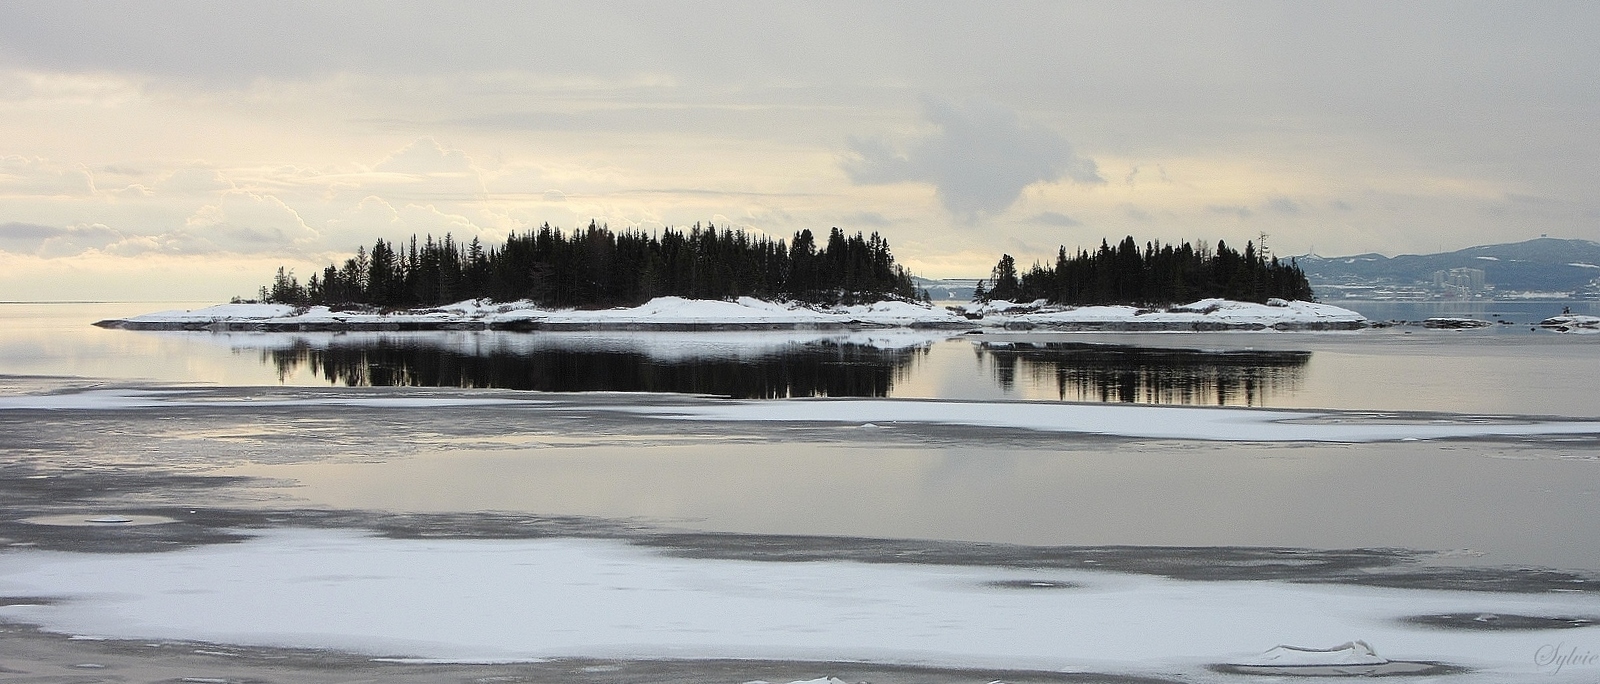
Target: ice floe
1572,323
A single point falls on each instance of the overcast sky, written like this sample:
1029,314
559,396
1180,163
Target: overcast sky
184,150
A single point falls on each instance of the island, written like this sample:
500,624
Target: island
707,278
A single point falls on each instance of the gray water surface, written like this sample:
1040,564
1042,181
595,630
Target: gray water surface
1501,369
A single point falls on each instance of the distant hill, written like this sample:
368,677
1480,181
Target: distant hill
947,289
1540,265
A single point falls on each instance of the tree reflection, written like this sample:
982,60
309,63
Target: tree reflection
1133,374
812,369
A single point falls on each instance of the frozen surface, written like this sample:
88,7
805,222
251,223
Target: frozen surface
485,600
1212,424
116,399
1122,420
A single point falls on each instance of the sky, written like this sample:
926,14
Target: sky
185,150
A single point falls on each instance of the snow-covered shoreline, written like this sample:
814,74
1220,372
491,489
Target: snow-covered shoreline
678,314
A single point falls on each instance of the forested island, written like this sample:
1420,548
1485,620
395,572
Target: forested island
716,279
597,267
1157,274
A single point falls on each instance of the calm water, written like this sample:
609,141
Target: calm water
1502,369
1496,502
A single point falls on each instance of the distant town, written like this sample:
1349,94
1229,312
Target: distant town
1544,269
1540,269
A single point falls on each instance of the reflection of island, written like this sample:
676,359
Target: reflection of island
799,369
1126,373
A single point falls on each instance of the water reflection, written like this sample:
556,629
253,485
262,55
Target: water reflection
1133,374
799,369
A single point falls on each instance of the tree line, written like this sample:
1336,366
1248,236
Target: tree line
1157,274
596,267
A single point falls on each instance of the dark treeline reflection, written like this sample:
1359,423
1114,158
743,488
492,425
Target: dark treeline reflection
799,370
1125,373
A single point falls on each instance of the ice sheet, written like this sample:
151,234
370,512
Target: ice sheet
1202,423
507,599
1122,420
115,399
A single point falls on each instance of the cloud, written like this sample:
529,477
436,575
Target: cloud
52,241
32,176
1241,211
426,157
28,231
868,218
1055,218
194,180
375,218
1133,174
1283,205
426,171
241,221
980,160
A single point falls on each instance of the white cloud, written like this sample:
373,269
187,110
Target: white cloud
375,218
194,180
980,159
426,171
244,221
426,157
33,176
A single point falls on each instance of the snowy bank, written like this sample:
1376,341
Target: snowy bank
745,313
1206,314
659,314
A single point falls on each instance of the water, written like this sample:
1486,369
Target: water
1501,369
251,449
